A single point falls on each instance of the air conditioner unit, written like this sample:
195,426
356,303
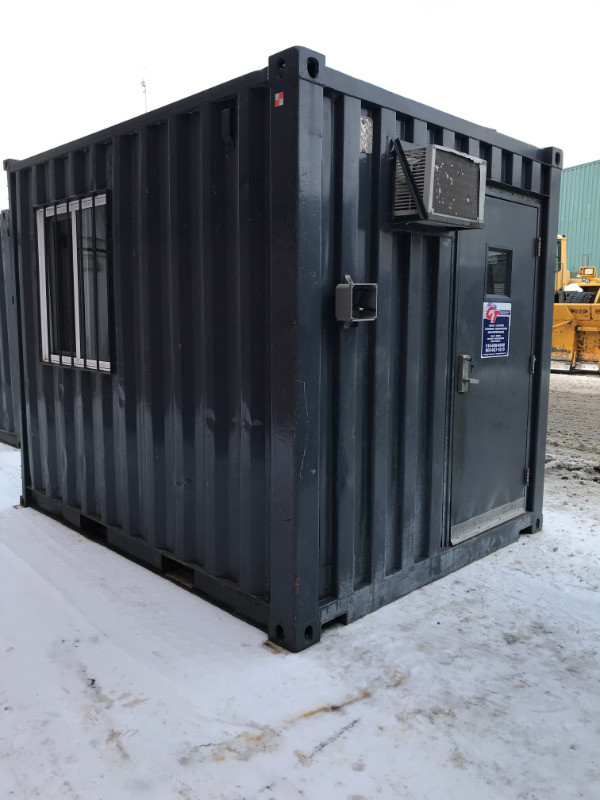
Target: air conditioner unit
451,186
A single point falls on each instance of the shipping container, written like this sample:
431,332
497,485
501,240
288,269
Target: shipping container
288,341
579,215
10,400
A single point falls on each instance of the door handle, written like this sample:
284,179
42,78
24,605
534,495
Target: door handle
464,367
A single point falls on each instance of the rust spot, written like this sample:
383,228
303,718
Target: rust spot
253,737
114,738
275,648
337,707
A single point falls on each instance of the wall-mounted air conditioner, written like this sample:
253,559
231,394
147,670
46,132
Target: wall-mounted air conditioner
437,186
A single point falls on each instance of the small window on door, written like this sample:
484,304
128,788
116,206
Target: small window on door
497,277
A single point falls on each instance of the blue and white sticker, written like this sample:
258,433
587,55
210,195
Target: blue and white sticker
495,334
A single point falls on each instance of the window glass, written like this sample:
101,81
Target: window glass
60,284
102,283
498,271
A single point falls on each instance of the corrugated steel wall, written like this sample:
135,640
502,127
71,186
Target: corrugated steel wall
9,340
383,386
579,214
171,448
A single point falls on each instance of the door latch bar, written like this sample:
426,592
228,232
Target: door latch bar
465,365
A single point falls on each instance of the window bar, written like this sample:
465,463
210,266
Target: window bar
50,312
49,302
36,245
57,318
95,268
80,284
41,214
71,256
109,281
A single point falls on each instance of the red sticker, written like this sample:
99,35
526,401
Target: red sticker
278,99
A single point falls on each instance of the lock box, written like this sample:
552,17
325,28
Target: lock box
204,389
355,302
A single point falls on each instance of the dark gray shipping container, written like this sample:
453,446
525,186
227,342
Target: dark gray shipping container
243,366
10,400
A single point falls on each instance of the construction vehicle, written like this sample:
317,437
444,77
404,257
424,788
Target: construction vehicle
576,324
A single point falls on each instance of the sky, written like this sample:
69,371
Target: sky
528,69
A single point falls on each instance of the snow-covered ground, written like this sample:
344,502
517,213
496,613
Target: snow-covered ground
116,684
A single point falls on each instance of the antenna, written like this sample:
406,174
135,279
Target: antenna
143,85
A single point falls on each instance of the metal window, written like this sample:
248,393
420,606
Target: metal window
74,283
499,263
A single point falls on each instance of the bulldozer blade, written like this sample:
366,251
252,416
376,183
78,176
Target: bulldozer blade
576,337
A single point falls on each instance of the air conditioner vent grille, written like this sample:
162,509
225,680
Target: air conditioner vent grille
450,184
455,185
403,201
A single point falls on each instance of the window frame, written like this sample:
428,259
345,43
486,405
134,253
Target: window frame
71,208
509,268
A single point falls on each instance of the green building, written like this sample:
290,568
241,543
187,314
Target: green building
579,215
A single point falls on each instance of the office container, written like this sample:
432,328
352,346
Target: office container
263,355
9,355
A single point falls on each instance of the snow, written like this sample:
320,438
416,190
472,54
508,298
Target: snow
115,683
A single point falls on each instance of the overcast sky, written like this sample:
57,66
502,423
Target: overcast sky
529,69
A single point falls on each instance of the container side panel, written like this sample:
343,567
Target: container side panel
254,342
178,343
233,433
6,405
169,449
433,421
38,381
353,564
170,382
151,332
390,404
10,391
62,400
126,399
384,438
205,380
385,420
224,337
329,351
410,268
366,272
83,426
439,389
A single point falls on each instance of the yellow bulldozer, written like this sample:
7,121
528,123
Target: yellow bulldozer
576,325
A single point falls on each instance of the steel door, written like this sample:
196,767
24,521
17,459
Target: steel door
494,333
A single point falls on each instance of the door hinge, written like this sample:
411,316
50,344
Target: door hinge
538,247
526,476
532,360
